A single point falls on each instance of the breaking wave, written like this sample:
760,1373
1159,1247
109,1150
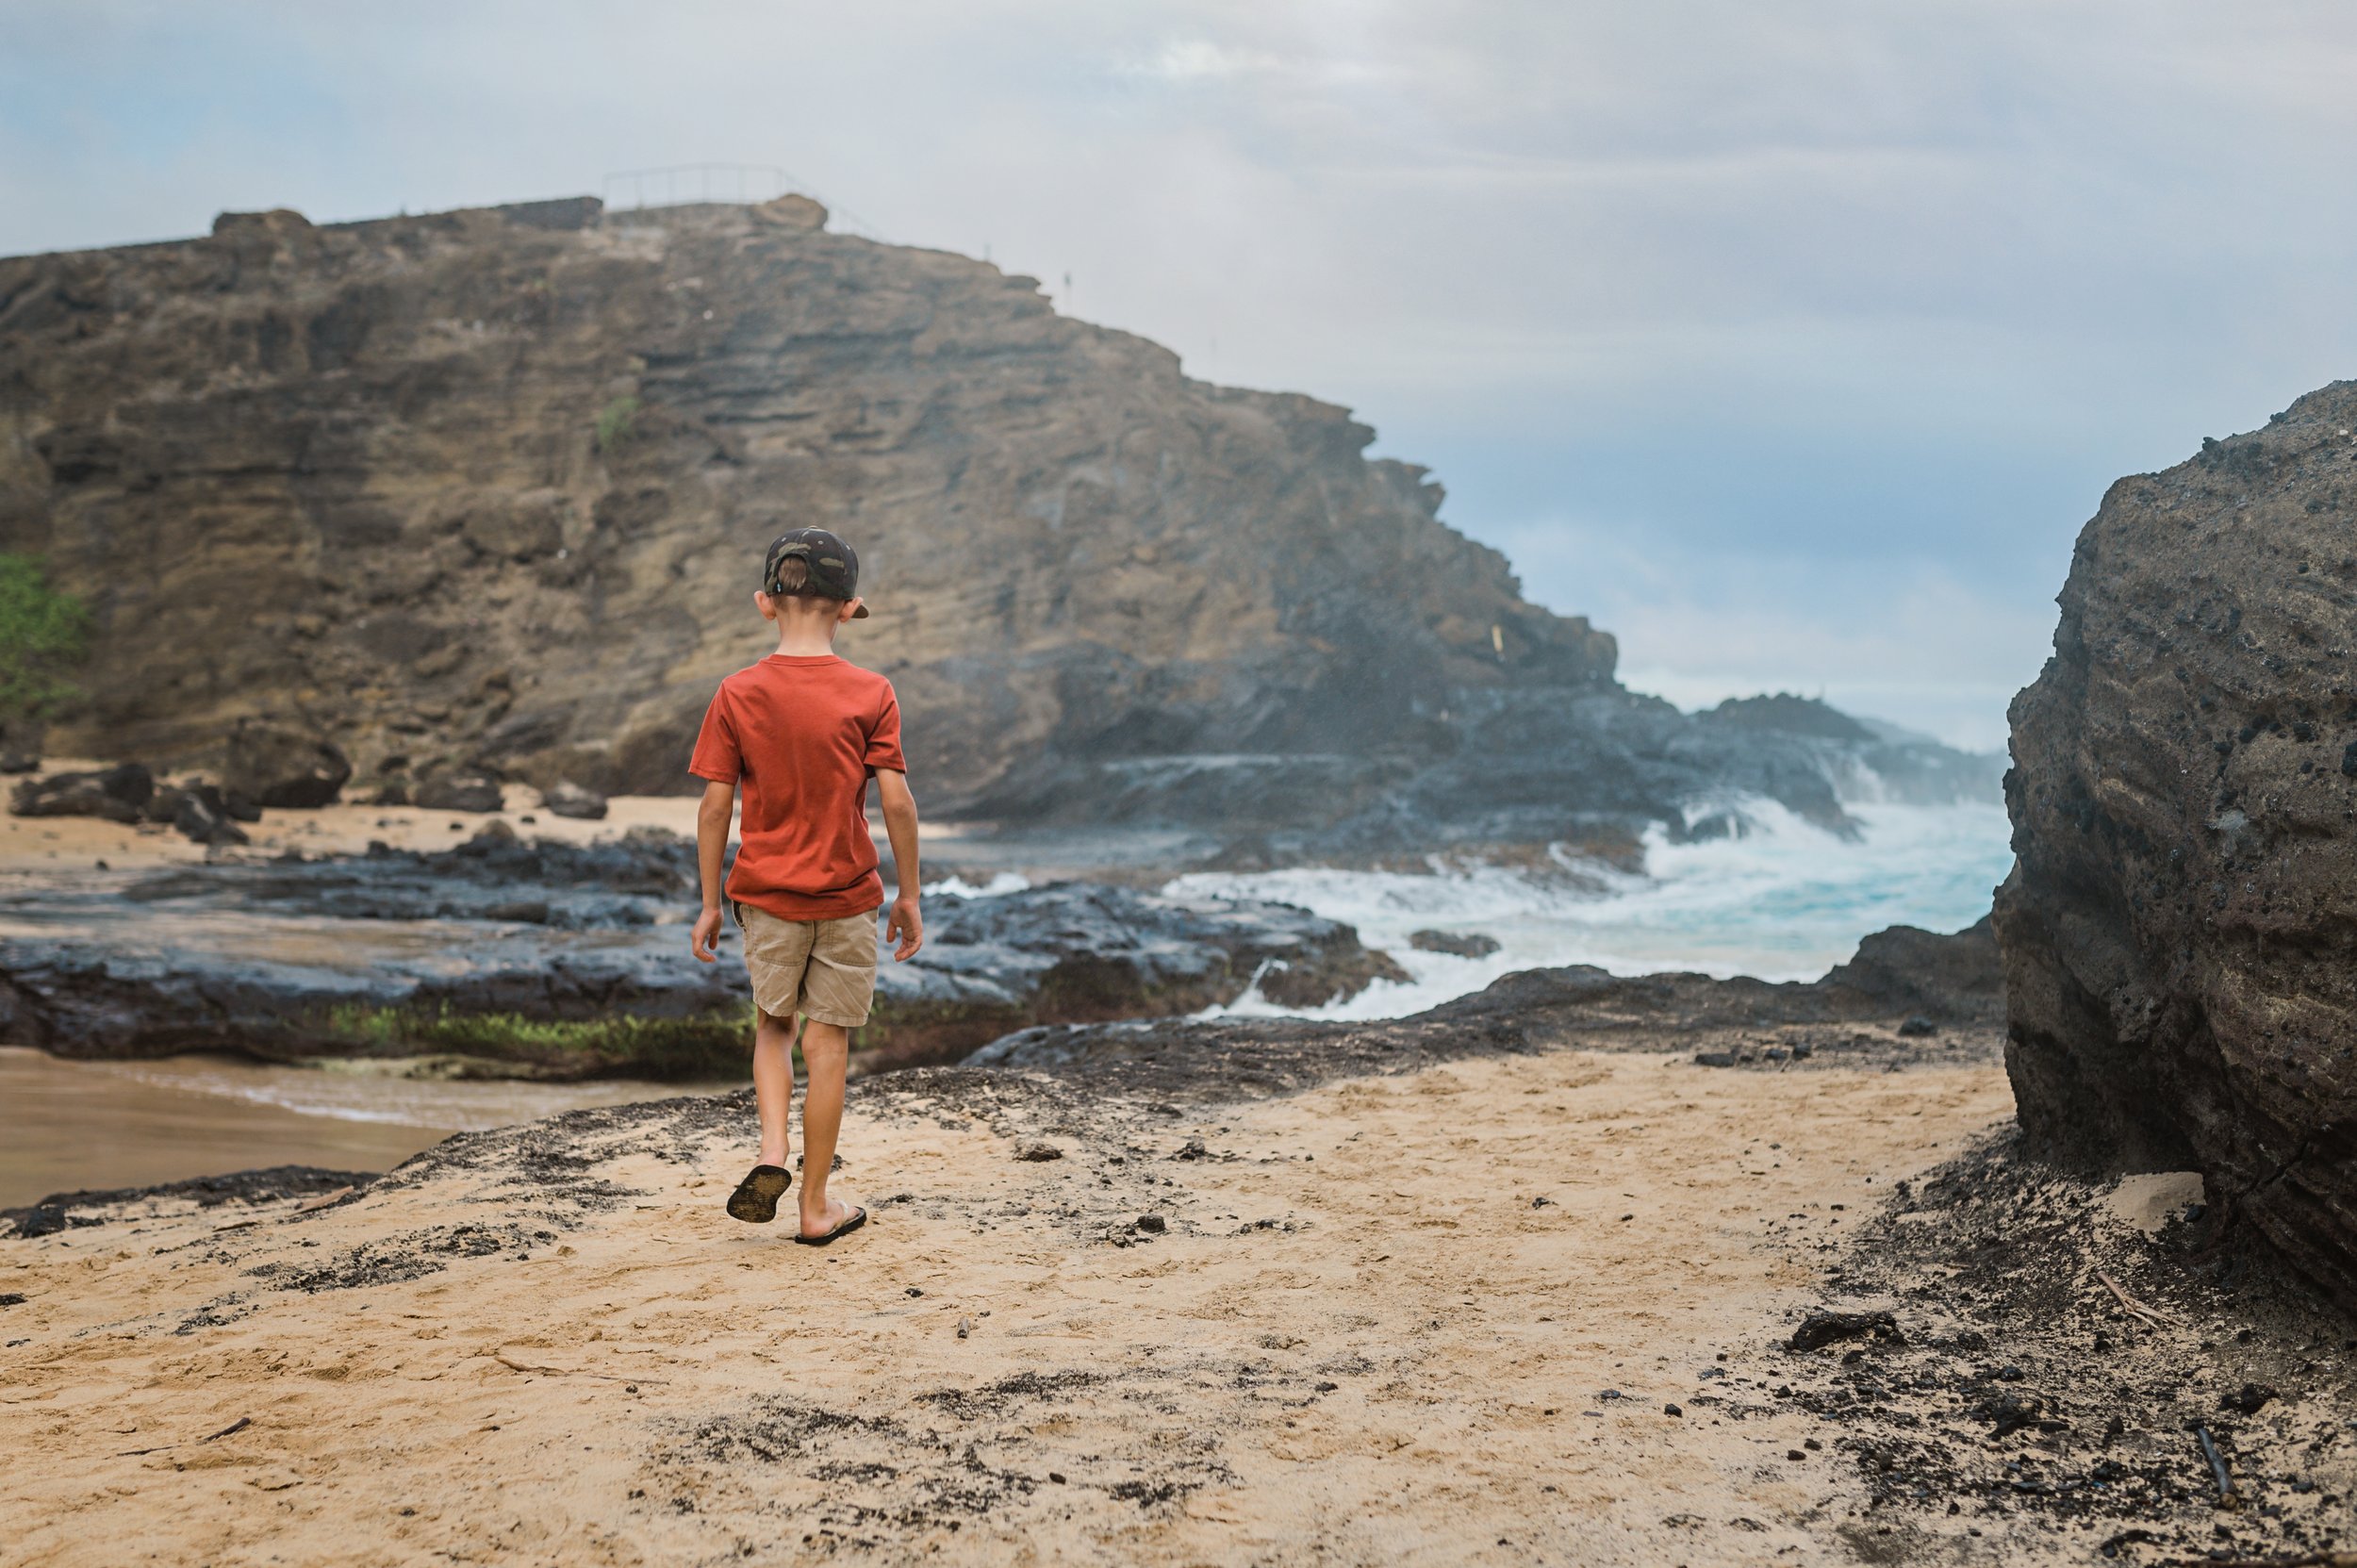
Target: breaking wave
1786,901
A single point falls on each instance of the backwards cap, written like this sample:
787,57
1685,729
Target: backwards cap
833,567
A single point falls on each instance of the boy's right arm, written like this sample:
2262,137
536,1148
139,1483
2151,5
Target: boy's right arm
712,848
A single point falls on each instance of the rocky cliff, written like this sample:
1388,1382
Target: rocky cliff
2180,933
485,491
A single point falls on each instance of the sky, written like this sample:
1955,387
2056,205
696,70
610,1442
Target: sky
1791,343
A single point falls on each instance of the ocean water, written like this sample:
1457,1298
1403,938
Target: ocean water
1787,902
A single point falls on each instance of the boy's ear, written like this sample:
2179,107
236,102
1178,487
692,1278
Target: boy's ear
767,605
849,609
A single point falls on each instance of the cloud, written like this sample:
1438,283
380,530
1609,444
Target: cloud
1820,303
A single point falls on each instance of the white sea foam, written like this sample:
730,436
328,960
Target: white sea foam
1785,903
997,887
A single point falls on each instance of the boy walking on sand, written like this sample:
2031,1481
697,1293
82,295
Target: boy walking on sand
803,730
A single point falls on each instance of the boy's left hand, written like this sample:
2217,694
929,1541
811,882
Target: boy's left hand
905,927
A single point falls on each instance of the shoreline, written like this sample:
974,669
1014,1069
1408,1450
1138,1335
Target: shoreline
81,1124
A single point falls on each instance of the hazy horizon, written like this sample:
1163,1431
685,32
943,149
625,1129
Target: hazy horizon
1792,351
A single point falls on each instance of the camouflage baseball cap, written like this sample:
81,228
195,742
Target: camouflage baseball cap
834,564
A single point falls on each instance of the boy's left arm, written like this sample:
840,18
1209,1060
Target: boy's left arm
906,926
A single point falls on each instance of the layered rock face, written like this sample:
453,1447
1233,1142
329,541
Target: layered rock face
486,491
2179,931
495,484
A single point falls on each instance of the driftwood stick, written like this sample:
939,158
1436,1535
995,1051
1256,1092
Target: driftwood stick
503,1357
2150,1316
238,1425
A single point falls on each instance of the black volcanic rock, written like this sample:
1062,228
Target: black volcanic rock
2180,929
541,958
1785,714
463,792
273,765
1470,943
571,800
1078,951
1763,1025
119,794
1957,977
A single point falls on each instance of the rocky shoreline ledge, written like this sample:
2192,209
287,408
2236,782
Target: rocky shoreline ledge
504,957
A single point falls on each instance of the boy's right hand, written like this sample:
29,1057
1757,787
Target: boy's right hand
707,931
906,927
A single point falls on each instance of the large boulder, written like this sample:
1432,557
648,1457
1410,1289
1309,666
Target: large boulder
277,766
572,799
2180,929
1955,978
19,747
201,812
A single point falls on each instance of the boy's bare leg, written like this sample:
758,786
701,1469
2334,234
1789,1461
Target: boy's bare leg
826,1056
773,1083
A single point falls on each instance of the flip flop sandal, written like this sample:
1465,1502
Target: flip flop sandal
858,1218
755,1200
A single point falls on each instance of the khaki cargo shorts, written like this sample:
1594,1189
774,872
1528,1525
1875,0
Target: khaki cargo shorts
823,969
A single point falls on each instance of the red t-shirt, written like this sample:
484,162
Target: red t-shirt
803,735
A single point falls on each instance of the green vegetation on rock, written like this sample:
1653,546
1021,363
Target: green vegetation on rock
43,635
615,421
701,1045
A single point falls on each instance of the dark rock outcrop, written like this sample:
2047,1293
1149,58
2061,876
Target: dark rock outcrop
118,794
1469,943
56,1212
2180,929
1078,952
277,766
1756,1023
201,813
465,792
495,480
1957,977
19,747
568,798
544,959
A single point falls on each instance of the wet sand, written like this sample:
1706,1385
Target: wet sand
1429,1317
71,1126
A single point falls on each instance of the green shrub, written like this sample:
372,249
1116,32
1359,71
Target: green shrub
43,635
615,421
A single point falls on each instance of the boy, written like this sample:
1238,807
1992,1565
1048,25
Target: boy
803,732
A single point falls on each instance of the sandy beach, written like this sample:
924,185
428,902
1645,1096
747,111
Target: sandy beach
63,843
1437,1317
